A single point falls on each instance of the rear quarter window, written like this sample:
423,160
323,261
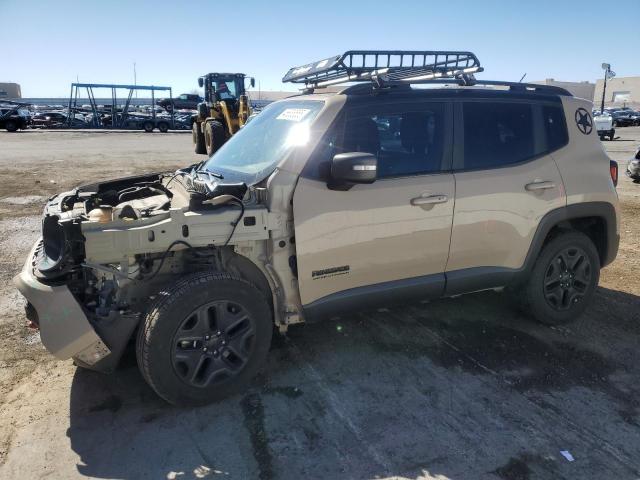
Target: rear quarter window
555,127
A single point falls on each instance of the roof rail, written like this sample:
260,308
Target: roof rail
513,86
383,66
527,87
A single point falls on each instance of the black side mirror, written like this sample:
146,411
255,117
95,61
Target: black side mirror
253,82
350,168
201,82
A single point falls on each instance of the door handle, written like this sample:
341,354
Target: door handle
430,200
533,186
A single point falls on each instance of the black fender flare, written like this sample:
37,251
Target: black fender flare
603,210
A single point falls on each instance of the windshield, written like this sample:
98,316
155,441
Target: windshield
253,153
226,89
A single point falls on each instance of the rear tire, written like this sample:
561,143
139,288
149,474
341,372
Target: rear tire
163,127
11,126
563,279
198,138
204,338
612,135
214,136
148,126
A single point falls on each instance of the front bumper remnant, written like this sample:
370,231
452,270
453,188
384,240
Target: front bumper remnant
65,330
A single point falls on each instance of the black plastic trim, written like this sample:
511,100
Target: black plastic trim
386,293
603,210
469,280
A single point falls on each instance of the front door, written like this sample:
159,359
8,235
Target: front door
378,240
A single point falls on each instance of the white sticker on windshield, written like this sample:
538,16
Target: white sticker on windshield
293,114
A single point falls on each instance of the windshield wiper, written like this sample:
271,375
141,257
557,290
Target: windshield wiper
211,174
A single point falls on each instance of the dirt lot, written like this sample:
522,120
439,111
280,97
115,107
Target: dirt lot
459,388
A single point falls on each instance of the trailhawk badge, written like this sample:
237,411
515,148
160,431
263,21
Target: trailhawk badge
583,121
330,272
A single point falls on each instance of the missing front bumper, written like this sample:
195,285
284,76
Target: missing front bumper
65,330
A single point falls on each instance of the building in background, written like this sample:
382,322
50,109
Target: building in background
10,91
621,92
577,89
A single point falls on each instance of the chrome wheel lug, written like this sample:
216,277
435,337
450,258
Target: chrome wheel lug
204,349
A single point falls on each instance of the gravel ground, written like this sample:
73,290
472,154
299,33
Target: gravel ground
459,388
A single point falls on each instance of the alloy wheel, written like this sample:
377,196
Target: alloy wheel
213,343
567,278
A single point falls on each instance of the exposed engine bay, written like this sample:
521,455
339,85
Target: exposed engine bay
114,244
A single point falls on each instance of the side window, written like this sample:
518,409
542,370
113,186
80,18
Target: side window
407,141
499,134
555,127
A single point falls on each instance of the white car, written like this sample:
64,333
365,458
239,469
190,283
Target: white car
604,125
633,167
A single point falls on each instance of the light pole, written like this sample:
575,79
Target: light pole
608,73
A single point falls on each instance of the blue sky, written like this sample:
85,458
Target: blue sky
45,44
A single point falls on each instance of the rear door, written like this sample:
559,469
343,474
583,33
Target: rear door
390,237
506,181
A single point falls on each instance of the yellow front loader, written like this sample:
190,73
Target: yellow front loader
225,109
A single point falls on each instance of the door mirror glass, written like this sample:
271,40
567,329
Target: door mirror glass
253,82
350,168
201,82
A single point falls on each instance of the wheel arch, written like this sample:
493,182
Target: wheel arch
597,220
248,270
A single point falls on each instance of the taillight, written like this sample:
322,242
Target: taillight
613,169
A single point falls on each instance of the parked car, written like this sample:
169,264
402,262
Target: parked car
623,118
604,125
633,167
57,120
186,100
320,205
13,118
635,116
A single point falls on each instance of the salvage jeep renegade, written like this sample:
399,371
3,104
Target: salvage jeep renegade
384,191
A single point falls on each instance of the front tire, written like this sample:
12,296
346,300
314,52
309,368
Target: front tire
11,126
204,338
563,280
198,139
214,136
148,127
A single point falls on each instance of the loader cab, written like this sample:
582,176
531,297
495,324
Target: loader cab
224,86
223,112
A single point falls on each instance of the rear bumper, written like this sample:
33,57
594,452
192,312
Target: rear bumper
65,330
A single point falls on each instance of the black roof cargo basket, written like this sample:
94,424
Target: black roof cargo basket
382,66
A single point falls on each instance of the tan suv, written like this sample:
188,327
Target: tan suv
326,202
